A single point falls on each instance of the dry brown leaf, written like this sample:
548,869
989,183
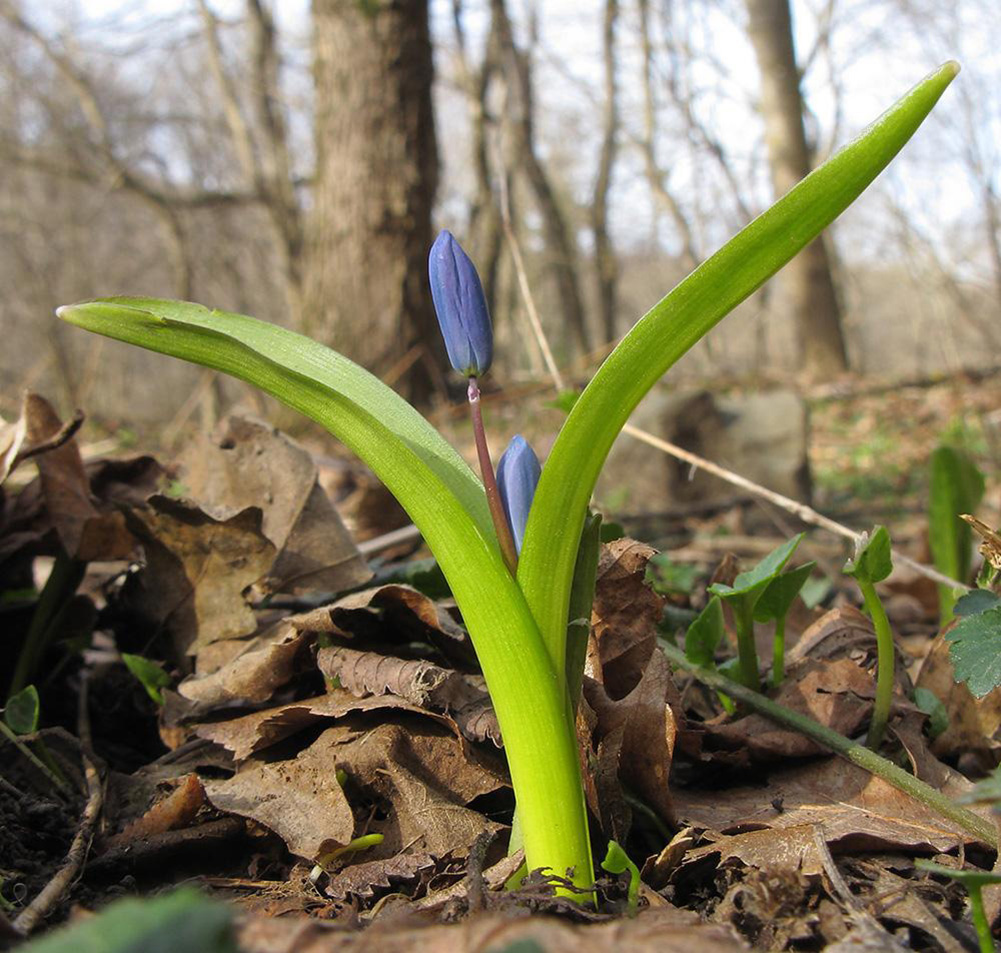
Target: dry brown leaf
365,879
196,571
12,436
177,809
300,800
792,850
404,615
249,463
836,693
660,930
623,618
854,809
252,733
264,664
85,532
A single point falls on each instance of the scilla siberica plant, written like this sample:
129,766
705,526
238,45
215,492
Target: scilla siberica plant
517,619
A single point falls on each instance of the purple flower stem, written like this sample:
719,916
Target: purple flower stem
504,537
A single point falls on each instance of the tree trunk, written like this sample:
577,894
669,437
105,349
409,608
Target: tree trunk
367,292
807,286
560,245
606,264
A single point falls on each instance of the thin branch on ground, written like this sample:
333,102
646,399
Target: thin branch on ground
982,829
53,891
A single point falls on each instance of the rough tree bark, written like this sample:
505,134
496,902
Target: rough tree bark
806,283
606,263
559,243
366,285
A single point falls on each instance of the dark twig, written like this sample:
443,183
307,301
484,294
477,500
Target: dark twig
52,892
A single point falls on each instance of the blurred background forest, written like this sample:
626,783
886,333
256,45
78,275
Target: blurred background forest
293,161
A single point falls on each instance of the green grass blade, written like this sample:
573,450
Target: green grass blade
671,327
447,504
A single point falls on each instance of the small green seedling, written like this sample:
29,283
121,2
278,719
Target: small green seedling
974,881
324,863
938,715
743,597
872,563
774,606
151,674
703,638
956,487
22,710
516,604
617,862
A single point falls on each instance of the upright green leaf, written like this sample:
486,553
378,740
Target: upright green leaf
705,634
151,674
781,592
671,327
957,486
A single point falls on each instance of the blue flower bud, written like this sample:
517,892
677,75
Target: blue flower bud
461,307
517,477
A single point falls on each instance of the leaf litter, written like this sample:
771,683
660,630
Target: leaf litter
365,715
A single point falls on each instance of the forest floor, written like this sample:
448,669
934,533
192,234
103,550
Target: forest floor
234,711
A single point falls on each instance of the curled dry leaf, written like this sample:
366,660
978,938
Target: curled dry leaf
197,568
62,499
177,809
264,664
626,611
391,614
249,463
792,850
629,691
252,733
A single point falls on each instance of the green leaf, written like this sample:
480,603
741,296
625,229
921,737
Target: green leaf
673,326
154,679
928,702
872,561
968,878
749,586
976,600
617,862
780,593
610,531
957,486
975,650
705,634
815,590
668,577
21,711
448,505
183,920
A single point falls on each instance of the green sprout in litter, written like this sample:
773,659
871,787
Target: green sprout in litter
774,606
974,881
743,597
872,563
519,621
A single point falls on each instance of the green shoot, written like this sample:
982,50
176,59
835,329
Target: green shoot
871,564
974,881
774,606
743,597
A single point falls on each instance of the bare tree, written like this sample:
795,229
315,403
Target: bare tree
560,245
606,264
806,281
376,173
